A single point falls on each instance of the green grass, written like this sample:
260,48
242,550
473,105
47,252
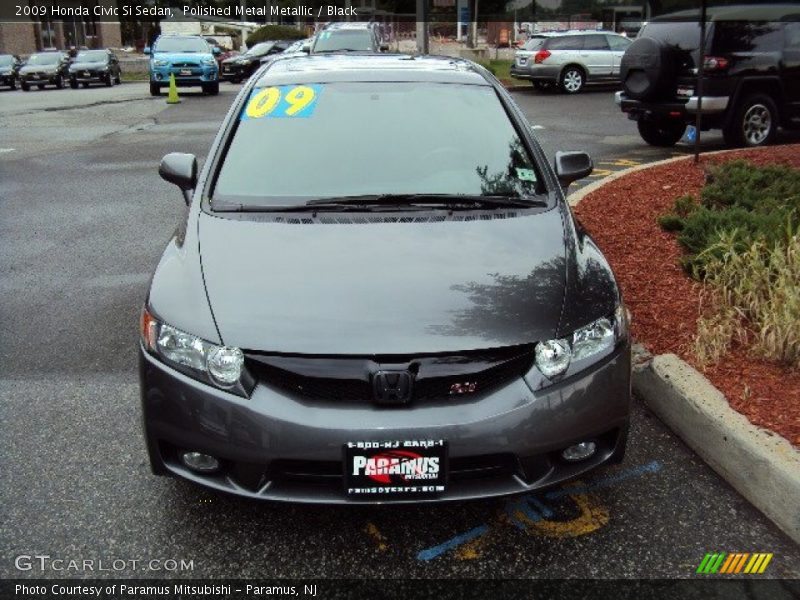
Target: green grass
500,68
128,76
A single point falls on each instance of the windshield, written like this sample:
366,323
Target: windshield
6,61
534,43
92,56
373,138
182,45
50,58
343,39
259,49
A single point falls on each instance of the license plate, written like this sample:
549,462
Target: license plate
685,92
226,69
186,71
395,468
86,74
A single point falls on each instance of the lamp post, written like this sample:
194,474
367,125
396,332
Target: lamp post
700,73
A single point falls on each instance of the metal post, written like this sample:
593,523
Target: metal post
243,45
422,27
700,72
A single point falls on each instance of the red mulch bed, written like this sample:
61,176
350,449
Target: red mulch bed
664,302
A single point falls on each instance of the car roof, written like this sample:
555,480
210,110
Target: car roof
349,25
737,12
325,68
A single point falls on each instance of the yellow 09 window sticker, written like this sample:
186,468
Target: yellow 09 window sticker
293,101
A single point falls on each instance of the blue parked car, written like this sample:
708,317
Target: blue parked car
189,57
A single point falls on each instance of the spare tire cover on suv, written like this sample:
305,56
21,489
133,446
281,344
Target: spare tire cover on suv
648,69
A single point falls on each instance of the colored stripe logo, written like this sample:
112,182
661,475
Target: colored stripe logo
734,563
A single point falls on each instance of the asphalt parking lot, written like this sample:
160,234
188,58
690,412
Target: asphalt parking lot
83,220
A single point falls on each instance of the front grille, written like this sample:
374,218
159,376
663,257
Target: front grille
349,379
185,65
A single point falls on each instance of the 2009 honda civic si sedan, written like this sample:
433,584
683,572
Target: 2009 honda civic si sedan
379,294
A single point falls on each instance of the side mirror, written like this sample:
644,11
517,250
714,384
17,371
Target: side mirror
216,50
180,169
146,50
571,166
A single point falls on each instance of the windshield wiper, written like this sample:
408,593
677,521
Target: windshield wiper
444,200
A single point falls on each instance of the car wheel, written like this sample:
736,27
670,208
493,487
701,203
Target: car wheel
211,88
74,84
85,84
155,89
661,132
40,86
25,87
60,82
572,80
13,84
119,79
754,122
109,79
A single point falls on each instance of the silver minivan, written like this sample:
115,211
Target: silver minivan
570,60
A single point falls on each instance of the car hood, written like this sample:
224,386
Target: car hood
77,66
38,68
357,288
189,57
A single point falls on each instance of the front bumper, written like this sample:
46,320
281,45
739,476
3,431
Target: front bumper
184,76
275,446
234,72
7,78
39,79
535,72
88,76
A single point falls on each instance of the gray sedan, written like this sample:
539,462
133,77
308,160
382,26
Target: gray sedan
333,324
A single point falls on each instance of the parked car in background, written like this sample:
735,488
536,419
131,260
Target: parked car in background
570,60
44,68
9,70
294,49
189,58
348,37
289,354
94,66
220,52
240,67
751,74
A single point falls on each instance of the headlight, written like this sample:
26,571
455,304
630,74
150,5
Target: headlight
553,357
209,61
160,63
222,366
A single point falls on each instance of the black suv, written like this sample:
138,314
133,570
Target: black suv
751,81
9,67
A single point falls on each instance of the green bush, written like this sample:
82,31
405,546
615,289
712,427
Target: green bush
274,32
740,202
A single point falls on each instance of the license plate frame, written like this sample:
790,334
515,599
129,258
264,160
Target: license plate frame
397,469
185,72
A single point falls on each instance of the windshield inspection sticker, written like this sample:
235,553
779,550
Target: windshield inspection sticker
526,175
295,101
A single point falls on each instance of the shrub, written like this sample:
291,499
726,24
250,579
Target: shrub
759,287
750,203
274,32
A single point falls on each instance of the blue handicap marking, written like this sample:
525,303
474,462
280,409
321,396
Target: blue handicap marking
690,135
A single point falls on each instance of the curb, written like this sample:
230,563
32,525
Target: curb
762,466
